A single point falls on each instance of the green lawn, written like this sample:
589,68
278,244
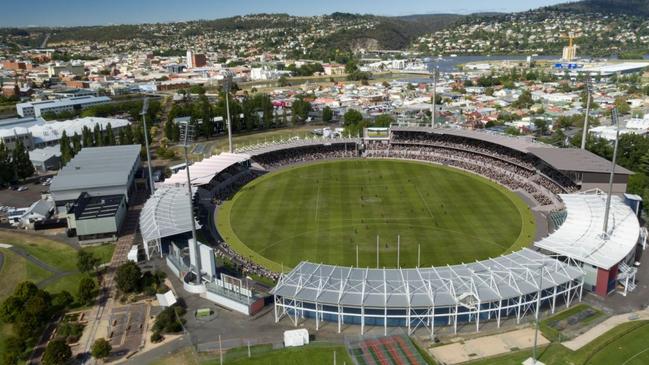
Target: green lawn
555,334
68,282
103,252
320,212
623,345
16,269
312,355
51,252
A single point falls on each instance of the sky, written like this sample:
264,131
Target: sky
95,12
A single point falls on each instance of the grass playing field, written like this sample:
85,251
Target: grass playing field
321,212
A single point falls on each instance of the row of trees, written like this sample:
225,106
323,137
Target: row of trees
254,112
132,108
15,164
71,145
355,123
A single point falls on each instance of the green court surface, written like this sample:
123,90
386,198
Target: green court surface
321,212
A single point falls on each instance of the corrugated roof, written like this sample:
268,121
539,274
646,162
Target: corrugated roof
96,167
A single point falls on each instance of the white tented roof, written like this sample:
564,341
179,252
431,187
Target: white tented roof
501,278
580,237
165,214
201,173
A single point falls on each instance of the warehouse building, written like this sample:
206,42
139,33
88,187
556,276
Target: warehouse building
93,191
38,108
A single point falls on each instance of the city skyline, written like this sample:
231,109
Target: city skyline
78,13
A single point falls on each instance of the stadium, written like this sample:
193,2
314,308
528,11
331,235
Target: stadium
415,227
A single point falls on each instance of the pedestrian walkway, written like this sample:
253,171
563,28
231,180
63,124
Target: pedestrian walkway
590,335
486,346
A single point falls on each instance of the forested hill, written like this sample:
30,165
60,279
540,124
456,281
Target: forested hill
616,7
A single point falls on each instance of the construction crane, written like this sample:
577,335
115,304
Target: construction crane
570,37
569,52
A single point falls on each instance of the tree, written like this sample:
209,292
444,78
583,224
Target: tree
524,100
21,162
86,261
644,163
352,116
66,149
87,290
6,166
57,352
97,137
128,277
327,114
101,349
300,109
86,137
541,126
76,143
109,136
383,120
622,106
14,347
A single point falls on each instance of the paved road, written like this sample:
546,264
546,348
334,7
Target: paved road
159,352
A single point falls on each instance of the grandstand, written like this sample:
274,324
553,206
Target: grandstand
573,257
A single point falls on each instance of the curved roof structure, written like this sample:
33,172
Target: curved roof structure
580,237
166,213
500,278
295,143
202,172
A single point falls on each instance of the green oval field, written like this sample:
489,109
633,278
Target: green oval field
321,212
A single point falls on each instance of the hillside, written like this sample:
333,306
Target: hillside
618,7
389,32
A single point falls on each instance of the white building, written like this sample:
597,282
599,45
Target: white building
38,108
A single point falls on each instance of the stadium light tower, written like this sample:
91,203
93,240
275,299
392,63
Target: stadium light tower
433,69
145,110
227,86
616,123
186,138
589,91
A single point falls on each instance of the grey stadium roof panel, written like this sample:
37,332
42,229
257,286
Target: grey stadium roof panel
575,159
500,278
97,167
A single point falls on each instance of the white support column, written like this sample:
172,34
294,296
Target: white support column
317,317
477,319
518,309
500,304
275,308
554,299
455,321
569,298
339,319
432,326
362,319
581,289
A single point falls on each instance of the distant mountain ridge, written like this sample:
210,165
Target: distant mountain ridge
617,7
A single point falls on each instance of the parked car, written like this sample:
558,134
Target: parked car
22,188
